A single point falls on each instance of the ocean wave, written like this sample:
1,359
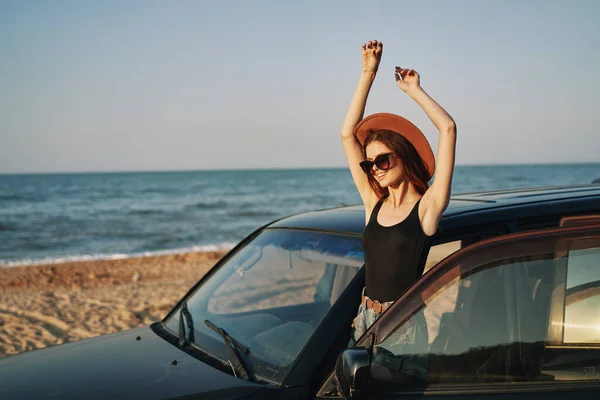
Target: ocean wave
151,211
30,198
155,190
6,228
207,205
10,197
118,256
253,213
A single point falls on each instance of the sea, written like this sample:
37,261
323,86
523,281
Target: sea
51,218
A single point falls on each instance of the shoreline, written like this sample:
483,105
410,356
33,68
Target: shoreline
209,248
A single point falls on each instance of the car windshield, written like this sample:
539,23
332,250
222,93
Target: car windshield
271,294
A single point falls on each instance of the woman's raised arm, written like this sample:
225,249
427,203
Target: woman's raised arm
371,56
436,198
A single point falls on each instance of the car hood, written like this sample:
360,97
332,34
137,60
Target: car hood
131,364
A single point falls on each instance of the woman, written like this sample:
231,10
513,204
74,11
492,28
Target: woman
391,163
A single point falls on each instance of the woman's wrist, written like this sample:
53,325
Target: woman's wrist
368,74
414,91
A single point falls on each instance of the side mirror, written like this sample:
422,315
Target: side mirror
353,373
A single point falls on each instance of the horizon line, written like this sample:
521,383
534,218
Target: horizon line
275,168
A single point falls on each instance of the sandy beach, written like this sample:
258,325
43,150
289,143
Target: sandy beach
46,305
51,304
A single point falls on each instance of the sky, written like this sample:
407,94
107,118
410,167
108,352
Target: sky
191,85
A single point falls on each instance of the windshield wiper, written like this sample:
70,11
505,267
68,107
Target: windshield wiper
239,351
185,314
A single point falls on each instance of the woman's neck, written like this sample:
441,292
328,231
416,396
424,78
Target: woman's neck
404,193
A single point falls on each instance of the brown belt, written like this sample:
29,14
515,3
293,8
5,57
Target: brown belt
375,305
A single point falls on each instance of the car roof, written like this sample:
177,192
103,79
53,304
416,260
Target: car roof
469,209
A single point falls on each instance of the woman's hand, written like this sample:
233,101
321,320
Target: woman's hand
371,55
407,79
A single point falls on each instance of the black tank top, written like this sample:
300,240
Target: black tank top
394,256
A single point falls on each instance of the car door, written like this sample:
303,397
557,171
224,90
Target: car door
516,316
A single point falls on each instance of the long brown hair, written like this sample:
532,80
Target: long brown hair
415,170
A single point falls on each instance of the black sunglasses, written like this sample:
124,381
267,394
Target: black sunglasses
382,162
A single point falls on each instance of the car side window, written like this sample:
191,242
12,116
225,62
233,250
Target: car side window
523,310
487,323
573,352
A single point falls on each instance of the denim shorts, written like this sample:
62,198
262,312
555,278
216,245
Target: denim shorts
405,350
364,319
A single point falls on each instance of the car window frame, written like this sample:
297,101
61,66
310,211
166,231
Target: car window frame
441,274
